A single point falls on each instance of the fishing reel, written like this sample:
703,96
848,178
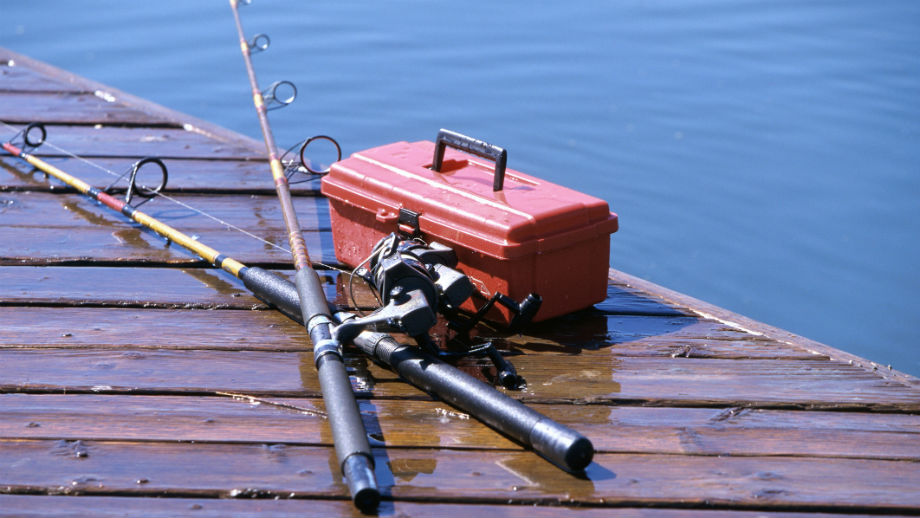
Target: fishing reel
414,281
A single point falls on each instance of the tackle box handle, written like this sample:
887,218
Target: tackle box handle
474,147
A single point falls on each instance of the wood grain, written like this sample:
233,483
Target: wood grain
258,214
595,378
125,287
432,424
147,507
185,175
799,383
112,141
103,327
56,75
629,334
72,108
698,307
126,244
189,287
119,328
206,469
23,79
43,228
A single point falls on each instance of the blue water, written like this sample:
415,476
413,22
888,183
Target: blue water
762,155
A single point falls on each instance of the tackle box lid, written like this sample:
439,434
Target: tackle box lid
458,204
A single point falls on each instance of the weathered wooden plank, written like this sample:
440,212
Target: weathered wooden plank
72,108
124,243
739,432
696,306
622,335
100,328
62,285
109,286
87,327
431,424
598,378
43,228
680,336
58,506
255,213
23,79
168,371
185,175
55,74
91,467
801,383
195,287
125,287
109,141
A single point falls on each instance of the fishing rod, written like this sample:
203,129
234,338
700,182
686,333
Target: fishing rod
559,444
352,449
348,430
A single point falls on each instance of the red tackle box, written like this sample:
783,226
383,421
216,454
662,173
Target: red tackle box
512,233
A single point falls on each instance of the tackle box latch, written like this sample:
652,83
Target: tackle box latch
408,223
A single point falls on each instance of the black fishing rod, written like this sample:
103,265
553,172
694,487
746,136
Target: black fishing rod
354,453
561,445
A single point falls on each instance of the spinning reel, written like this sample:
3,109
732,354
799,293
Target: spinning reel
415,281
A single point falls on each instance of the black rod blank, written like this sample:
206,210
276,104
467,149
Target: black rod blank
559,444
354,453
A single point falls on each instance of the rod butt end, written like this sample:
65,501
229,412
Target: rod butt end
561,445
361,483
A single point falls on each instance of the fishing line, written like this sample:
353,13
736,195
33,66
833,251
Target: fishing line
201,212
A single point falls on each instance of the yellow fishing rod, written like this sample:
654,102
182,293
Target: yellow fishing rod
209,254
349,434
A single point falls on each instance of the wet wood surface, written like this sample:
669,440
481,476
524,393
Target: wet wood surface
185,175
45,227
75,214
136,381
238,417
70,108
244,507
601,379
25,79
220,470
121,141
631,335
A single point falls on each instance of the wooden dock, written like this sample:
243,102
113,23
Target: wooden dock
135,380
